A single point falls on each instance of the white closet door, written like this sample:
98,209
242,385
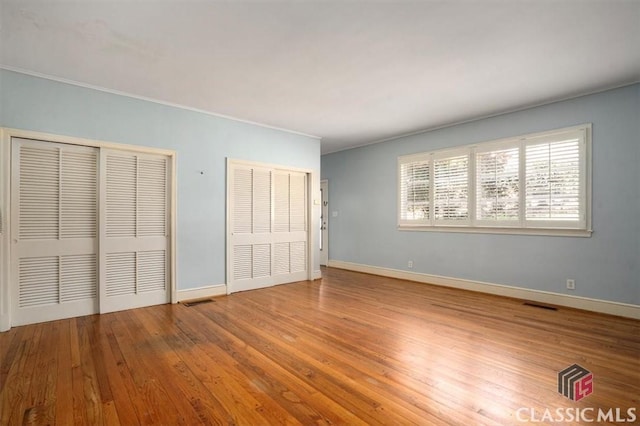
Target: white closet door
291,229
54,210
268,227
134,253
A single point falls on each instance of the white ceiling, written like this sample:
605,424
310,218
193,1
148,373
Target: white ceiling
350,72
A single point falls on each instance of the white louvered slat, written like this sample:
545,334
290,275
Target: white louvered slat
298,202
261,201
121,195
152,271
281,261
120,274
497,185
261,262
553,189
152,196
39,192
243,201
281,219
451,188
414,193
242,260
78,277
38,281
298,256
78,194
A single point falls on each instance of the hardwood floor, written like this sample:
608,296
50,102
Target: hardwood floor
348,349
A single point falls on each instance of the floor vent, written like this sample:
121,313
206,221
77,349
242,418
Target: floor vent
190,303
537,305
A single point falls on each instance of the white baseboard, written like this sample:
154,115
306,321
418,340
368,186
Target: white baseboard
217,290
202,292
595,305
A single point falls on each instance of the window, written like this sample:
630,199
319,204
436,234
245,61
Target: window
553,184
529,184
498,184
451,188
415,184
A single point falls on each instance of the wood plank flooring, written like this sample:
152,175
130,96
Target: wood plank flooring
348,349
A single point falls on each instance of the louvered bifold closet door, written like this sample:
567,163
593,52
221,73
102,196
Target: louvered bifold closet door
251,228
290,227
134,230
54,231
268,227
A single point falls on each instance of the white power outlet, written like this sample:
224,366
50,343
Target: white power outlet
571,284
410,264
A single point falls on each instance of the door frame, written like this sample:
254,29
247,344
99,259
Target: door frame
6,135
5,226
311,240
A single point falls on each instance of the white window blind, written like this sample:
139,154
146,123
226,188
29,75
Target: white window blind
415,190
526,183
553,180
451,188
497,186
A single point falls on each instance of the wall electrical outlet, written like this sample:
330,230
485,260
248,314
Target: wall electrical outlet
571,284
410,264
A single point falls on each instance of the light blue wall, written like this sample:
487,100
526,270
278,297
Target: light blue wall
362,189
202,143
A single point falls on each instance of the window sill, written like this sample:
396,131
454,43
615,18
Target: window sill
553,232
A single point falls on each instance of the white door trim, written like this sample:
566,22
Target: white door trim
6,135
311,239
5,225
324,222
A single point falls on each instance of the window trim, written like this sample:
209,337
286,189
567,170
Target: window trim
521,226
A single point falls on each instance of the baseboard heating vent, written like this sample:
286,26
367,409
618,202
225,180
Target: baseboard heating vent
538,305
190,303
